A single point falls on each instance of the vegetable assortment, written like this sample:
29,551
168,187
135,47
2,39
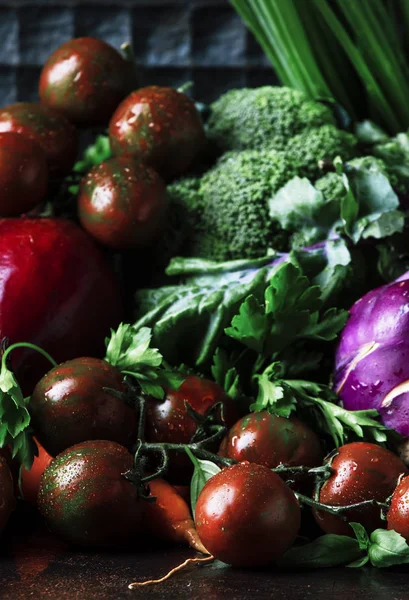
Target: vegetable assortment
175,310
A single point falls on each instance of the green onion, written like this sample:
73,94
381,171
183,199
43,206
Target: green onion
349,50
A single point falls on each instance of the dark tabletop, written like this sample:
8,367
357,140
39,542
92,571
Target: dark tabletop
35,564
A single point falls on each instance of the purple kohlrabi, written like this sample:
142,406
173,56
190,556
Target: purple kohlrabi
372,360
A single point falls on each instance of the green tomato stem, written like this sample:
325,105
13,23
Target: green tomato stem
337,510
196,448
31,347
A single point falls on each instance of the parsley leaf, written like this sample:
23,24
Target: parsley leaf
15,419
290,312
129,350
94,155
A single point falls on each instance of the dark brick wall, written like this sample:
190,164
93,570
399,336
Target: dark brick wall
175,41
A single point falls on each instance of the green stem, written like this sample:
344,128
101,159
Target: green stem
31,347
337,511
196,448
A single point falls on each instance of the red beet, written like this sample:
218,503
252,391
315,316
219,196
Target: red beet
56,291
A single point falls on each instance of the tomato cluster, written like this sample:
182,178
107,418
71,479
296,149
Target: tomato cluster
155,133
93,492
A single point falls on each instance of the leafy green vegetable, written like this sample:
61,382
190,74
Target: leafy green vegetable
93,155
382,549
329,550
387,548
203,471
129,350
188,320
15,430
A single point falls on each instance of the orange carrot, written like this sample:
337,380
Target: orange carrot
169,516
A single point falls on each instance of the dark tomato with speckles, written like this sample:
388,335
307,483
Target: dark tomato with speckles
161,127
167,420
270,440
398,513
69,405
361,471
85,498
86,79
23,174
123,204
7,498
48,128
246,516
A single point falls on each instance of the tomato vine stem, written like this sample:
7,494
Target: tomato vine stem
337,510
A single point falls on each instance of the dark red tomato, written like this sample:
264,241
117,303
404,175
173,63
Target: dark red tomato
85,498
30,480
56,292
23,174
362,471
69,405
398,513
161,127
7,498
246,516
48,128
123,204
167,420
269,440
86,79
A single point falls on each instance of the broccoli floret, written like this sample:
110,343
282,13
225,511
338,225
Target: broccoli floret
187,190
235,220
307,149
265,116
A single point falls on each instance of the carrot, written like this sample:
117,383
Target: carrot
169,516
30,480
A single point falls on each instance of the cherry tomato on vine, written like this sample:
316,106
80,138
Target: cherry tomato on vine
159,126
85,79
85,498
398,514
23,174
30,480
48,128
247,516
7,498
69,405
361,471
269,440
123,204
167,420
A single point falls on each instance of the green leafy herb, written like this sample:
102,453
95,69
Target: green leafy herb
329,550
225,374
204,470
387,548
382,549
93,155
129,350
290,312
15,419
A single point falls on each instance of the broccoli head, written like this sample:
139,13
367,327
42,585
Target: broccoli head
307,149
235,221
265,116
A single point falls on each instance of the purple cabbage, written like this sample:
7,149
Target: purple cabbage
372,359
